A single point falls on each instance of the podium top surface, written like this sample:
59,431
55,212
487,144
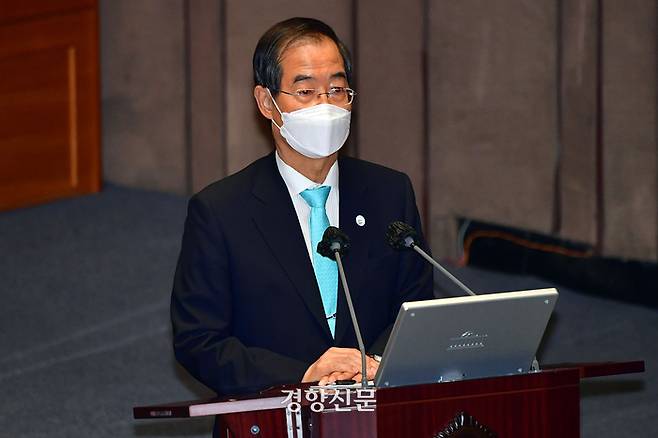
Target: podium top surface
275,398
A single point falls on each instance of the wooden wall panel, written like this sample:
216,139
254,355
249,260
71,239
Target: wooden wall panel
49,106
27,9
41,106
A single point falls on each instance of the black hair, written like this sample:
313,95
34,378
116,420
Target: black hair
270,47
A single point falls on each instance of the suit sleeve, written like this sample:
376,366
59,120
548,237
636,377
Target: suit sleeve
201,315
415,279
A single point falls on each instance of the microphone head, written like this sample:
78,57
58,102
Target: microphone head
333,240
401,235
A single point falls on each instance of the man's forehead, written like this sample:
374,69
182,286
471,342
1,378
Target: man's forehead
308,57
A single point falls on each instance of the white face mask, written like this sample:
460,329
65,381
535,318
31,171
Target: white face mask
317,131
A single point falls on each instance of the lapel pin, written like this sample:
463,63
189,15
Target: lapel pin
360,220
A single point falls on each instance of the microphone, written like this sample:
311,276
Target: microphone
333,241
334,245
403,236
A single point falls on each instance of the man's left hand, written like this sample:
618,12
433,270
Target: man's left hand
372,366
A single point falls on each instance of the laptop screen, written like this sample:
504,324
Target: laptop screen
468,337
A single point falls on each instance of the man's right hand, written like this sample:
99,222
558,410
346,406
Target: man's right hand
335,361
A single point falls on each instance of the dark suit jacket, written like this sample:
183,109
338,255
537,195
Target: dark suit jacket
246,308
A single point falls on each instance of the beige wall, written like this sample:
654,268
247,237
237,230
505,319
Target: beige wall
629,148
492,114
512,112
143,93
391,121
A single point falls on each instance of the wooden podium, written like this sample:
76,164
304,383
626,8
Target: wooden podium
537,404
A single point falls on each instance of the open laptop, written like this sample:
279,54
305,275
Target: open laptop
450,339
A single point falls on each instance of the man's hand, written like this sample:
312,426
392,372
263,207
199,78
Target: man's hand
339,364
331,378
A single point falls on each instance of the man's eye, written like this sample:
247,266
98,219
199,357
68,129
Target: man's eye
337,90
305,93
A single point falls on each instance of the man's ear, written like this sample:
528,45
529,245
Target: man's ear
264,101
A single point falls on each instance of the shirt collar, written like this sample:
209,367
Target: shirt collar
297,183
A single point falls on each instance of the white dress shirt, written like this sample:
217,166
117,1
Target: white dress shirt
297,183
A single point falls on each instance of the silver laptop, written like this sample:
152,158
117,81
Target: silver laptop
450,339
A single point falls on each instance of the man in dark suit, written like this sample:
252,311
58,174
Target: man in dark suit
253,304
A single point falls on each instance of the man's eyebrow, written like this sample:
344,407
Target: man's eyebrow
300,78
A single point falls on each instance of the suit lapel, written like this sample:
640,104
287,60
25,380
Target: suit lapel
352,203
277,221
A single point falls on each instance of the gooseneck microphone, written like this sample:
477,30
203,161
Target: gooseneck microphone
403,236
334,245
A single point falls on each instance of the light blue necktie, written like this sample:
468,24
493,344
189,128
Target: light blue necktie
326,270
